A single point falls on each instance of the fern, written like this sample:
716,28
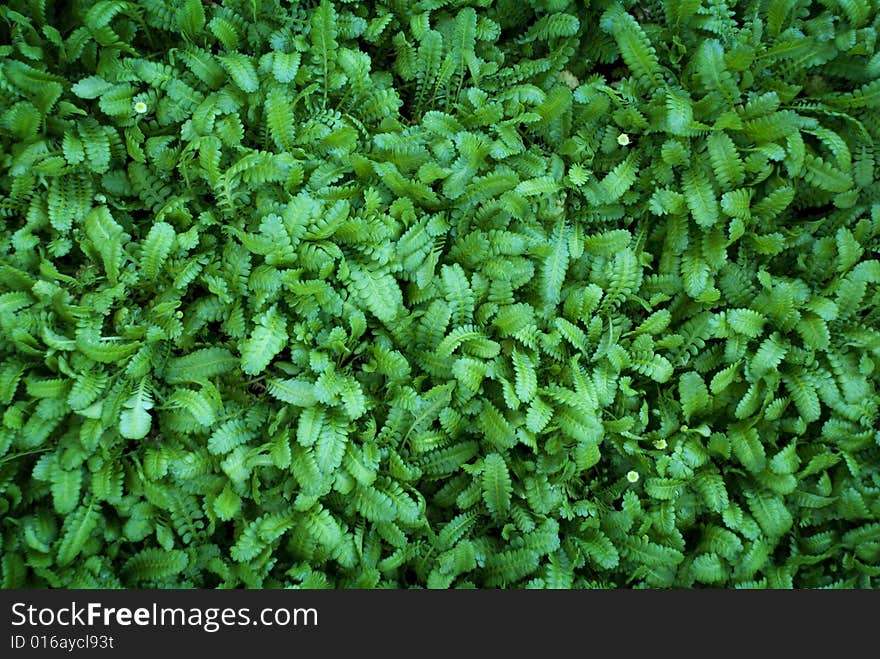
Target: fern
693,394
281,119
729,169
155,564
713,72
323,37
389,295
458,294
156,248
106,237
266,341
825,176
379,292
78,527
199,365
496,486
135,420
241,70
635,48
555,266
700,198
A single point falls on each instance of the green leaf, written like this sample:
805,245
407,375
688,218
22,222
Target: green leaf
526,377
78,527
191,17
105,236
267,340
91,87
770,513
135,419
156,249
228,436
294,391
379,292
825,176
692,393
497,486
153,564
241,69
199,365
700,198
635,47
66,488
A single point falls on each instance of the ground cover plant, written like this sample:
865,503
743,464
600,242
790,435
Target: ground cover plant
538,293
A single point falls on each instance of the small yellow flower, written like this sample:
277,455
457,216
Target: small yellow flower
140,107
632,476
660,444
623,139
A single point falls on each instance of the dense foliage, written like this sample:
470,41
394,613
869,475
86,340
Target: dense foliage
526,293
